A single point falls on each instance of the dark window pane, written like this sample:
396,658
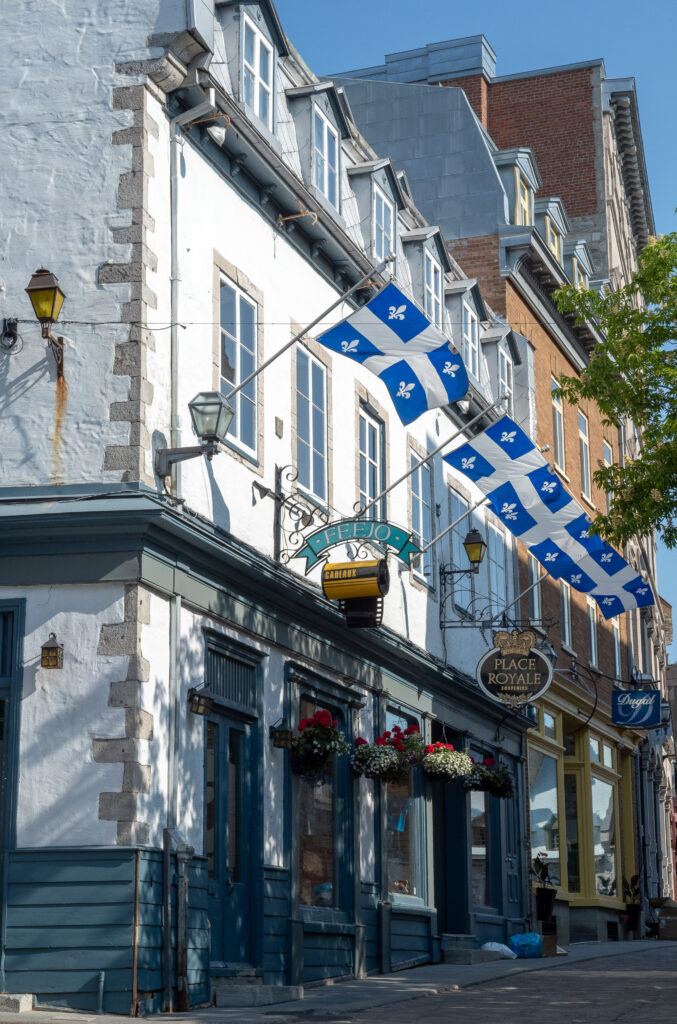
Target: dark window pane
210,799
571,810
234,809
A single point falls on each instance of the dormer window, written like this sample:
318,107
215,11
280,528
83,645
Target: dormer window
505,379
433,289
325,156
258,73
384,224
580,277
470,340
553,239
525,199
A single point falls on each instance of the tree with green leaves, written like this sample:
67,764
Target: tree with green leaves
632,377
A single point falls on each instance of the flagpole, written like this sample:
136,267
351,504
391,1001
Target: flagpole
297,337
525,592
439,448
455,523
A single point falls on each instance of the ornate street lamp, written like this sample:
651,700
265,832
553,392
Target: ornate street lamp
212,415
47,299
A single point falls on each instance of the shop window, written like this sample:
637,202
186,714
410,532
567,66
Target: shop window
404,826
604,837
571,826
371,465
557,428
594,748
544,812
480,827
317,830
471,340
607,756
311,424
238,361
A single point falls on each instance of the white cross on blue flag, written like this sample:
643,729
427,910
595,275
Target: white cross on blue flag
396,341
530,499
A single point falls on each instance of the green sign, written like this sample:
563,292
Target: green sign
359,530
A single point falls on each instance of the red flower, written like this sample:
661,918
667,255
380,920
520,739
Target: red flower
304,723
429,749
488,762
411,730
387,734
396,728
380,742
398,745
359,742
334,722
322,718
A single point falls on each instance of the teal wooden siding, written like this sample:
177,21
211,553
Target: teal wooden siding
326,954
276,903
70,914
410,938
369,918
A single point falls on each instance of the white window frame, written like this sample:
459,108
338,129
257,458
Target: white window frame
322,167
565,613
616,634
553,239
471,346
379,227
593,640
463,586
374,467
421,509
311,486
584,454
558,449
608,458
506,378
497,546
432,288
249,394
535,594
255,71
524,200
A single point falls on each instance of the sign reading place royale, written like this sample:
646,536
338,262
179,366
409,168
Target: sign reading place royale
636,709
359,530
514,672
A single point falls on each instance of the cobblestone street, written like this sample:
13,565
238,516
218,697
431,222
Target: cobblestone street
638,987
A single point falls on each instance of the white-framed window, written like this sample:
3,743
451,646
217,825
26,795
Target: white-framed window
471,340
557,427
535,596
384,224
608,458
498,571
525,200
463,585
433,289
505,379
584,452
553,239
258,73
326,149
592,631
422,515
565,612
580,277
371,464
616,635
311,424
238,359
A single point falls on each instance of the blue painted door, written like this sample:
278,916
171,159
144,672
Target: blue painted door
228,829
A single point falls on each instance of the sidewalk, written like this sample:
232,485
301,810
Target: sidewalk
352,996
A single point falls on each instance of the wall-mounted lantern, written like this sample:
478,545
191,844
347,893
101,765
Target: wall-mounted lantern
51,653
212,415
47,299
359,587
199,702
475,548
281,735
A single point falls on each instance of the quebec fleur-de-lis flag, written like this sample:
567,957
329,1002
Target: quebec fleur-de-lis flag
529,498
396,341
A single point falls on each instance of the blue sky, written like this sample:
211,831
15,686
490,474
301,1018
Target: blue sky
633,39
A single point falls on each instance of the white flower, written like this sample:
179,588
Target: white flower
396,312
350,346
507,437
451,764
451,368
405,390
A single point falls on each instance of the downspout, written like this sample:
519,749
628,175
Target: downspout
174,689
174,144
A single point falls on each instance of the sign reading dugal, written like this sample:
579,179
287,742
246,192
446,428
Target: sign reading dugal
636,709
514,672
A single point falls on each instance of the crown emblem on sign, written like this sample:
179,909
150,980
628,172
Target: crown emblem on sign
515,642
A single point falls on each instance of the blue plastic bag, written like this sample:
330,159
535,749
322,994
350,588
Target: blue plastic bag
528,945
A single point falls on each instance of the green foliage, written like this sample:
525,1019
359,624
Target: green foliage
632,376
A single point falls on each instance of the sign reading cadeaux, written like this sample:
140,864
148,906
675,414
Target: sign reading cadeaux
514,672
356,530
636,709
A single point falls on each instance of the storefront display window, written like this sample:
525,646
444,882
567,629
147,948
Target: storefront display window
403,825
544,817
480,824
571,823
317,832
604,837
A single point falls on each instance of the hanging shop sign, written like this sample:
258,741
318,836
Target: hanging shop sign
359,588
359,530
514,672
636,709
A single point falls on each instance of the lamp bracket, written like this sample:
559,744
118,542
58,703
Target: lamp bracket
165,458
446,572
